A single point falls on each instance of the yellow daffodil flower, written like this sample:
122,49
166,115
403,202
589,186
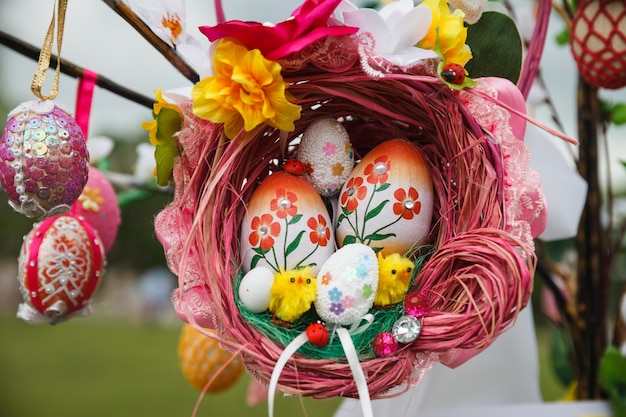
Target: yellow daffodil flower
451,31
152,126
245,91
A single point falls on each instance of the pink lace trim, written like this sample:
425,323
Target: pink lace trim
172,224
524,200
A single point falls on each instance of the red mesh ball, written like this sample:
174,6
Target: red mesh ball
598,42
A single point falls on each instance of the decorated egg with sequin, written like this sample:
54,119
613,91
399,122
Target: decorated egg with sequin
387,202
286,226
347,284
327,155
98,205
60,266
43,159
203,360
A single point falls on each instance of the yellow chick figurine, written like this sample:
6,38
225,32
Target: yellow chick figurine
292,293
394,278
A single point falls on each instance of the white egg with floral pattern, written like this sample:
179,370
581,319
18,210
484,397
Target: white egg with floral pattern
286,226
387,202
347,284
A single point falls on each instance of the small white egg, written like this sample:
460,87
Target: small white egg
254,290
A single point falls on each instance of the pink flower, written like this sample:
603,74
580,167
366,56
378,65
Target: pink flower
308,24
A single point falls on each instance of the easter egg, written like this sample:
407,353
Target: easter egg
285,226
347,284
387,202
98,205
60,266
201,358
43,159
255,289
326,153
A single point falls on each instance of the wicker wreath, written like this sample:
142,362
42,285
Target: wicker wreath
476,276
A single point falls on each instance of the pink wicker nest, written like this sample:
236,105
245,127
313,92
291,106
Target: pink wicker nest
476,281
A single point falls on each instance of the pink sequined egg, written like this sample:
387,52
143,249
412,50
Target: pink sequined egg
60,266
43,159
98,205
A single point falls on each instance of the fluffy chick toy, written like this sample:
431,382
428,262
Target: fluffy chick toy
394,277
292,293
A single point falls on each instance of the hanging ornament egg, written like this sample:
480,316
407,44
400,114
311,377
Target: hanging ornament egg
387,201
286,226
201,357
327,155
60,266
98,205
347,284
598,43
43,159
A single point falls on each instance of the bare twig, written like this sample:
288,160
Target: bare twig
168,52
73,70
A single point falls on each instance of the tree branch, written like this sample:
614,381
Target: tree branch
73,70
168,52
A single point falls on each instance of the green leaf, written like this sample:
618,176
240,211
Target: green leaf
295,219
348,240
294,244
255,261
260,251
165,156
168,123
496,47
375,211
613,379
562,38
379,236
383,187
619,114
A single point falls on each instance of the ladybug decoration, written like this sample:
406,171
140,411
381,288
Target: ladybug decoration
317,334
453,73
293,166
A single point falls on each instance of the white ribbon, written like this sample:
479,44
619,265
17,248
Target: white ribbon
351,356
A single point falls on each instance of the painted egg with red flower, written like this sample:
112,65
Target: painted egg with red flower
317,334
60,266
286,225
387,202
43,159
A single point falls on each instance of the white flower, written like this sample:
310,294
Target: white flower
473,9
166,19
144,168
99,147
396,29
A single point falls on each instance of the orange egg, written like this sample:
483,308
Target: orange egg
387,201
201,357
286,226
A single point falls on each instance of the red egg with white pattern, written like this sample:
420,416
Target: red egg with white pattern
61,264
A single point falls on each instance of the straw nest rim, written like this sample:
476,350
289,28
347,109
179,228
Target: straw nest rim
476,281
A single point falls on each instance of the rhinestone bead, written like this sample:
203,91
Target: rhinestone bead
406,329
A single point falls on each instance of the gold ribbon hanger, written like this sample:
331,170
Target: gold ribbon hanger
58,15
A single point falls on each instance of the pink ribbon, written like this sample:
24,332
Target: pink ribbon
84,96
